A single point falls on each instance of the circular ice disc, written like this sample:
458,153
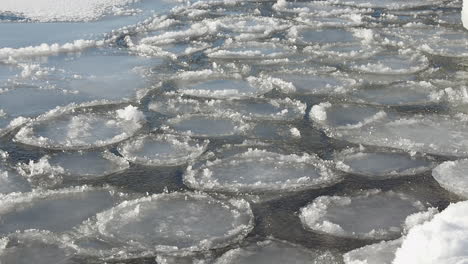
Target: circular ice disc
215,125
403,62
453,176
249,50
35,247
176,222
373,214
57,210
324,36
318,83
162,150
83,130
381,165
276,252
388,4
260,171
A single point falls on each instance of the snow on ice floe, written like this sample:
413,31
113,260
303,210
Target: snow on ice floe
379,253
53,169
56,211
273,251
213,125
250,50
83,130
401,93
364,216
380,164
444,239
173,223
261,171
452,176
251,109
40,247
162,150
403,61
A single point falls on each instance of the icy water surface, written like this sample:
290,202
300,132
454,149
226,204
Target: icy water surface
166,131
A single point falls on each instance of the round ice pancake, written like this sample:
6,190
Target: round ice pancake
435,134
394,62
276,252
249,50
407,93
388,4
379,253
345,116
39,247
223,88
252,109
11,180
261,171
56,211
162,150
82,130
214,125
453,176
381,165
310,83
176,222
305,35
370,215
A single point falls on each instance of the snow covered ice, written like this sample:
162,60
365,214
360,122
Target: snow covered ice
227,131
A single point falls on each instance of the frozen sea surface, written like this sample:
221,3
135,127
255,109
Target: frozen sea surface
227,131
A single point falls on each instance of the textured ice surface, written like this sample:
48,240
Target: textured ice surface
176,222
162,150
444,239
389,4
53,169
275,251
401,62
249,50
381,165
261,171
39,247
253,109
310,83
214,125
380,253
56,211
82,130
371,214
11,180
453,176
407,93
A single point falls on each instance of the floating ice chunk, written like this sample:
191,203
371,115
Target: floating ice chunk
276,251
261,171
388,4
381,165
65,10
176,222
453,176
401,62
56,211
306,35
407,93
435,134
214,125
379,253
252,109
81,130
11,181
51,169
39,247
318,83
224,88
250,50
444,239
345,116
370,215
162,150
